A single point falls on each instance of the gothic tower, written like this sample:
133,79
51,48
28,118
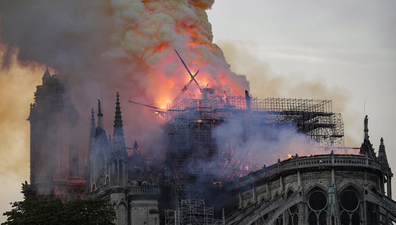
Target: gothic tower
119,155
386,170
54,155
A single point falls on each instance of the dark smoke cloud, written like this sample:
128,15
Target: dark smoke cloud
71,37
67,35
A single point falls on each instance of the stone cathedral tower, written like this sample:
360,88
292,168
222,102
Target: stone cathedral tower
55,160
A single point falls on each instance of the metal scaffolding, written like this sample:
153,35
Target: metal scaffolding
189,124
198,116
190,212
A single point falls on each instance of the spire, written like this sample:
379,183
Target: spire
100,116
46,76
118,133
118,121
386,170
92,134
382,154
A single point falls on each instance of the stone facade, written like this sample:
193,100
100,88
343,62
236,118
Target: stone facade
320,189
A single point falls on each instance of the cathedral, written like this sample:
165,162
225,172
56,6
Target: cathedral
318,189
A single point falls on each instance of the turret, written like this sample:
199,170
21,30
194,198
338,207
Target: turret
382,155
100,116
46,76
119,154
386,170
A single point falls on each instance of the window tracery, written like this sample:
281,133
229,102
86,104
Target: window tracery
349,207
317,205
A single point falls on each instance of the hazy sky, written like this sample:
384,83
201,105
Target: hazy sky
348,48
339,50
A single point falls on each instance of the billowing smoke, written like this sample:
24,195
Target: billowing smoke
245,144
254,144
148,31
101,47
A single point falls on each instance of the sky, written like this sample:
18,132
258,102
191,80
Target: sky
346,48
339,50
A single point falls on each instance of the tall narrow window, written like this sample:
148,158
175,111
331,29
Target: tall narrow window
317,204
349,207
292,211
121,171
371,213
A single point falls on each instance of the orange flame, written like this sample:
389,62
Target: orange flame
151,35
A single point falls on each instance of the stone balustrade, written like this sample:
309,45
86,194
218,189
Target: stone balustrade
307,162
144,190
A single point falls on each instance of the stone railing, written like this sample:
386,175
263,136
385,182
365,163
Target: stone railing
328,160
144,190
60,177
66,178
76,179
306,162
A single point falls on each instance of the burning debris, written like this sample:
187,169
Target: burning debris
233,135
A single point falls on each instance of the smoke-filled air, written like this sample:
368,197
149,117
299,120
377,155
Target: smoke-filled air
101,47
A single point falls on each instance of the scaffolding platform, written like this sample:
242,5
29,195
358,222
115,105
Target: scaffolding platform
190,212
189,124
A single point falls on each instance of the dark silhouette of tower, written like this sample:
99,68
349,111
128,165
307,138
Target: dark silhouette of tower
54,155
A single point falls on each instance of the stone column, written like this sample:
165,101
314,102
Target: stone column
301,213
389,186
240,199
267,186
299,179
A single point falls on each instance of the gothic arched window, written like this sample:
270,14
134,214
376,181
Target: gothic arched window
292,212
317,205
349,207
99,167
371,213
121,172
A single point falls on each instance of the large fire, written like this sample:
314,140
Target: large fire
150,30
